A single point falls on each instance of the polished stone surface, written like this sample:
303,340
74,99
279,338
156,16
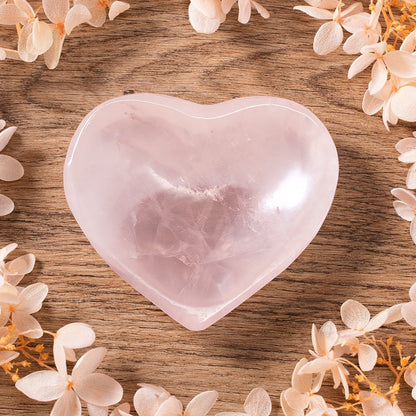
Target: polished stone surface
198,207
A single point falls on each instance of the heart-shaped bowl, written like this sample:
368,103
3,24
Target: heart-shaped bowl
199,206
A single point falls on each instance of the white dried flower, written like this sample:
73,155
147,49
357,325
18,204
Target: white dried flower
84,383
330,35
326,358
303,393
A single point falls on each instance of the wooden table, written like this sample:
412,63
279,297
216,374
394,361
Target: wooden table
363,250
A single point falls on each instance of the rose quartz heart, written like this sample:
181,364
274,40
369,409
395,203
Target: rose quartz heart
199,206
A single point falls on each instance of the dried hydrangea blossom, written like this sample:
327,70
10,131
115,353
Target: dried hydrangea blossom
19,308
385,38
18,332
333,349
20,349
330,35
10,168
96,389
304,391
150,400
11,302
42,30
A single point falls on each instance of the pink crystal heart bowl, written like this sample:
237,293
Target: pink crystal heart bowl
199,206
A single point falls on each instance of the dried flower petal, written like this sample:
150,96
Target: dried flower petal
6,205
67,404
98,389
378,405
5,136
201,404
55,10
9,54
10,168
371,104
10,14
25,45
405,196
53,55
97,10
200,22
117,8
171,406
148,399
7,356
409,44
76,335
378,77
324,338
244,11
355,315
262,11
315,12
41,38
18,267
122,410
27,325
258,403
409,313
43,386
367,357
99,410
361,63
403,103
89,362
31,297
403,210
77,15
287,409
25,7
410,377
323,4
295,399
394,314
409,156
401,63
328,38
59,357
8,295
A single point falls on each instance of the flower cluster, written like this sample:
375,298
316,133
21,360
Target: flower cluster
10,168
42,30
152,400
348,355
17,304
19,332
37,36
207,15
20,348
385,39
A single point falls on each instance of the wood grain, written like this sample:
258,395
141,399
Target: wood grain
362,251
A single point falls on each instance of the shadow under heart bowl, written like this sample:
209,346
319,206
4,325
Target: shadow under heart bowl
199,206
